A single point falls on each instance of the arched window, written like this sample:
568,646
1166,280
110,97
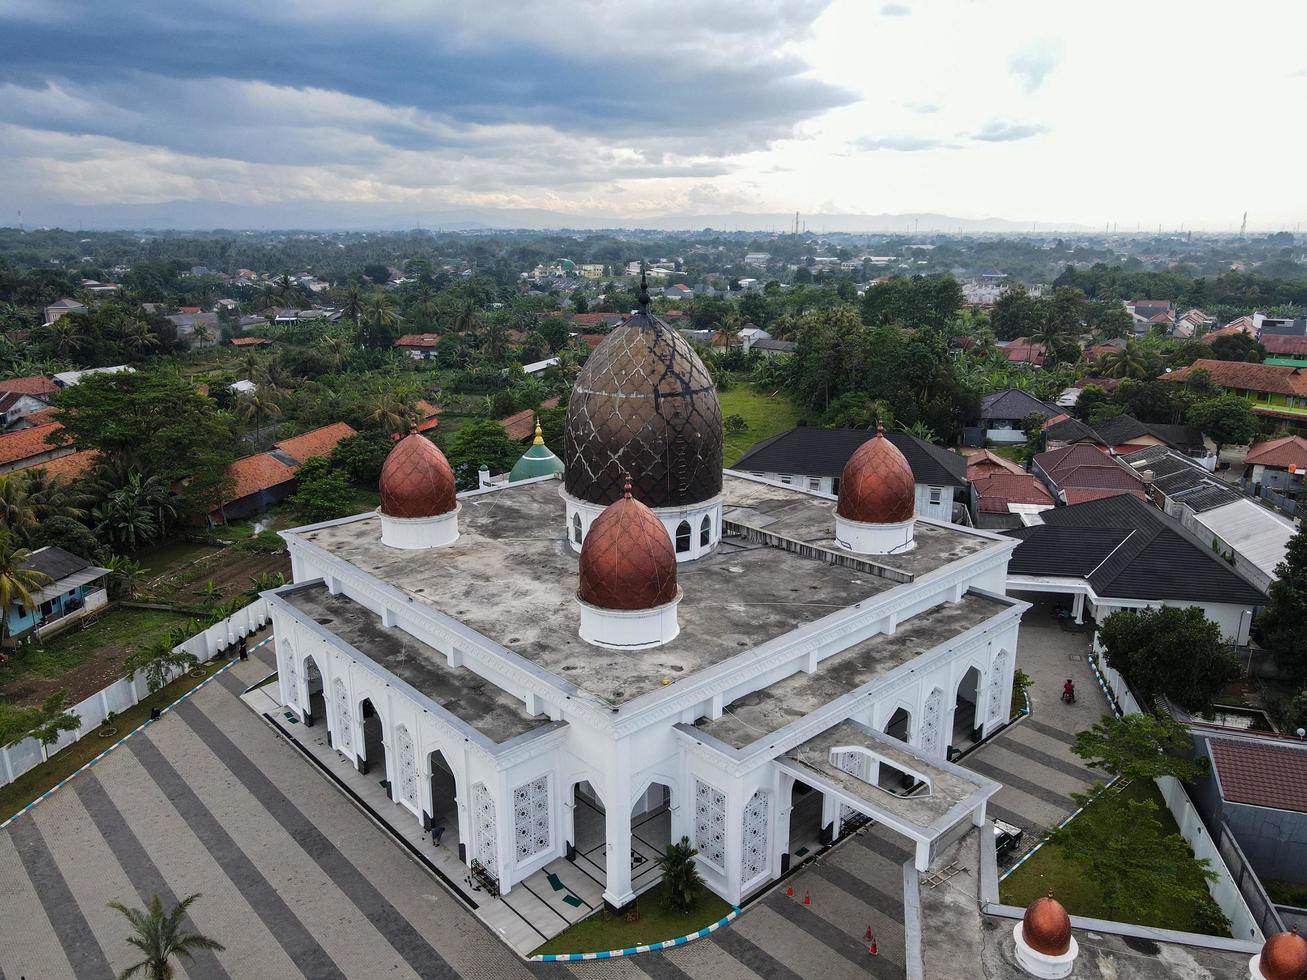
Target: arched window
576,528
682,537
705,532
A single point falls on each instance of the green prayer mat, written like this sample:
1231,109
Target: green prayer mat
555,882
801,851
573,901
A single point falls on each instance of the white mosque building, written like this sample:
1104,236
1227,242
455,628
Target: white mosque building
652,647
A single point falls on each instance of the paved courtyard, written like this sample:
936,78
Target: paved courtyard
296,881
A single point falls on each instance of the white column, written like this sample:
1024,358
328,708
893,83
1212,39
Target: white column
1078,608
734,843
617,837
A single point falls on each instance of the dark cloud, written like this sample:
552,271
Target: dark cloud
998,131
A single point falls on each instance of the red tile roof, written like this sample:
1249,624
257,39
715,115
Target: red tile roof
1244,376
1022,349
996,490
1272,776
1280,345
44,417
422,340
189,310
35,384
521,425
26,443
72,467
1082,495
255,473
319,442
249,341
591,340
1279,453
982,463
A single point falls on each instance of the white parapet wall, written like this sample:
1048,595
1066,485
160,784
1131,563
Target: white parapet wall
126,691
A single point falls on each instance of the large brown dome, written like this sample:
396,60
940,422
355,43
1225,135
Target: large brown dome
877,486
1284,957
627,559
644,405
1046,927
416,480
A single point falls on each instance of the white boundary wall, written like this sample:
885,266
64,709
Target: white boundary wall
125,692
1224,890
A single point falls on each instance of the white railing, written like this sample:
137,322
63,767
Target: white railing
125,692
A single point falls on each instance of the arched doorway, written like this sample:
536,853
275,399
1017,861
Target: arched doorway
965,730
313,684
807,828
589,831
443,806
900,725
651,829
374,747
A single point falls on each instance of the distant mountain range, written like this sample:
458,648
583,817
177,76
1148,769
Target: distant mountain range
357,217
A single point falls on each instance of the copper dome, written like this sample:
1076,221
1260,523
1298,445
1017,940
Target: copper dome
416,480
1284,957
644,405
1046,927
627,559
877,486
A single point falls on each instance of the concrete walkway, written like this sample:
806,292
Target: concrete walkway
1032,758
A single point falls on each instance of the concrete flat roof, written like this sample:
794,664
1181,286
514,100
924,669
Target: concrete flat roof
462,693
511,576
757,715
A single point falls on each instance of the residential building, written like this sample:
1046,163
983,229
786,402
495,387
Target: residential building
264,479
770,347
76,590
1083,472
61,308
1003,415
66,379
419,346
1276,464
814,459
1123,553
1024,351
591,270
250,342
28,447
1277,391
758,259
16,405
1005,500
1126,434
521,425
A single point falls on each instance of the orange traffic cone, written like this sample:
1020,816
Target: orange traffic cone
807,899
868,937
872,948
789,890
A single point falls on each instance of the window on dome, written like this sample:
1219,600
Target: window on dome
705,532
682,537
576,528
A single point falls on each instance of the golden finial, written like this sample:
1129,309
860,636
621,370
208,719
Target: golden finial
539,440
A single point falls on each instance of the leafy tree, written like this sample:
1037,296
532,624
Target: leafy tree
158,661
1142,746
1091,396
71,535
43,722
360,457
681,876
1237,347
1226,419
322,492
1169,651
1282,620
1140,871
162,936
478,442
380,319
18,583
135,514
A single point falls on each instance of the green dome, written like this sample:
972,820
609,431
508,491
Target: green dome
536,461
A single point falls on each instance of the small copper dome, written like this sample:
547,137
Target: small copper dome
1284,957
1046,927
877,486
416,480
627,559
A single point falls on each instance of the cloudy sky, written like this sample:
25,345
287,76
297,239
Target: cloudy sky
1178,112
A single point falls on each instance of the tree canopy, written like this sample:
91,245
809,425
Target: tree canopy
1170,651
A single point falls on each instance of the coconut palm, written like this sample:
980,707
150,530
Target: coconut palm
379,309
494,340
124,576
1131,361
18,583
200,333
137,336
390,412
274,377
48,496
66,336
337,350
17,515
162,936
257,405
351,300
288,290
267,295
467,317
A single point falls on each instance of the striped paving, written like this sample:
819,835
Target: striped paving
296,882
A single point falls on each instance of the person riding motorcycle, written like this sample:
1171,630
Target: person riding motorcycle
1069,691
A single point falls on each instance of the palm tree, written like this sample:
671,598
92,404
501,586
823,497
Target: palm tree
66,335
137,336
351,300
468,316
18,583
390,412
159,661
681,876
267,295
288,290
1131,361
17,515
162,936
124,576
423,310
337,351
47,496
201,333
256,405
494,340
135,514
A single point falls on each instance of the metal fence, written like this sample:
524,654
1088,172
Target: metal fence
1250,887
123,693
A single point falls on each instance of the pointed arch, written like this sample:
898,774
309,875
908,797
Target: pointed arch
576,528
682,537
705,531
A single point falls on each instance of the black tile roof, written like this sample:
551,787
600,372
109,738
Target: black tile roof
812,451
1015,404
1071,430
1127,549
55,562
1180,478
1123,428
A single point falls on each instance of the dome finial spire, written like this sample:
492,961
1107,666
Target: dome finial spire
539,439
644,291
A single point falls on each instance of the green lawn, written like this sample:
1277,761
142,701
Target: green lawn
31,784
1049,871
118,630
765,414
601,931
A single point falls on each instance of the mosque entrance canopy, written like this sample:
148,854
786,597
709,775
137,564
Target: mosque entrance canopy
924,798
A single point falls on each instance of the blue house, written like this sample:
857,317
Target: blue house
76,589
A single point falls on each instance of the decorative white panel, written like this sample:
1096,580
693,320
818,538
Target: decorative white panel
753,861
408,767
293,678
997,675
930,722
344,717
710,823
487,846
855,764
531,818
